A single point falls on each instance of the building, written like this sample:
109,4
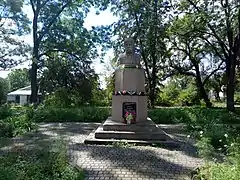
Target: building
20,96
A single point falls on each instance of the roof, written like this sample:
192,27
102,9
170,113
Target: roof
22,91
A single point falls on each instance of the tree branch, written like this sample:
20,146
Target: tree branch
33,8
213,72
46,30
214,48
220,42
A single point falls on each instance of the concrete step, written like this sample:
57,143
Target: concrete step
131,135
171,144
146,126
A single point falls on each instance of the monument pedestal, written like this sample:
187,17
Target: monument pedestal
129,121
121,104
141,133
145,130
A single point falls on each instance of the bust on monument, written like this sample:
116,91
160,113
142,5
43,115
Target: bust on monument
129,58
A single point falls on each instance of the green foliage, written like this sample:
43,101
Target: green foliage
122,144
237,98
3,90
179,91
193,116
6,129
169,94
5,111
189,97
229,169
12,22
47,163
81,114
14,122
21,124
205,148
18,78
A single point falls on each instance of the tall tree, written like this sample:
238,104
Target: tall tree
222,18
191,56
49,33
13,23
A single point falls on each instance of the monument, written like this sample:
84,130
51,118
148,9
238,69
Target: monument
129,119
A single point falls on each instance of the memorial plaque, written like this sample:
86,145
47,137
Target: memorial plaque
129,107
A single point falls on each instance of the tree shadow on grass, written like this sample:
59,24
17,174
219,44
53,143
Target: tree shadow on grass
44,135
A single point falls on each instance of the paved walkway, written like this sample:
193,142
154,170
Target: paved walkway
114,162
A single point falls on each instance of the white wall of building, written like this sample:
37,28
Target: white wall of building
23,99
11,98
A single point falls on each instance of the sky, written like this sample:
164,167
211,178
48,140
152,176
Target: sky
104,18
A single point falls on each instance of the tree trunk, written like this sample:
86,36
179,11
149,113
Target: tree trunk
201,89
230,67
35,61
152,96
33,98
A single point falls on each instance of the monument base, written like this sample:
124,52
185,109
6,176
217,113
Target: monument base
146,132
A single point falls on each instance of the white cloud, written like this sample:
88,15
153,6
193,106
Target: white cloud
104,18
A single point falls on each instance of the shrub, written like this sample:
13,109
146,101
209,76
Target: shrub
17,122
21,124
82,114
229,169
6,129
5,112
168,115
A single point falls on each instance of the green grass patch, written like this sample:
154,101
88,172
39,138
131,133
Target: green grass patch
229,169
47,163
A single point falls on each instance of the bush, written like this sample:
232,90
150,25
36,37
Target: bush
237,98
188,97
192,116
21,124
229,169
6,129
17,122
49,164
82,114
168,115
5,112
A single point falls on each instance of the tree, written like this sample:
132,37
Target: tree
13,23
191,56
109,77
222,18
52,27
18,78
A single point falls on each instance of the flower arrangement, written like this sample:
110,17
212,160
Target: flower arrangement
131,93
130,117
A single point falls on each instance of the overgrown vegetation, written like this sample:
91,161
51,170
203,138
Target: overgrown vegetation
49,163
228,167
14,122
